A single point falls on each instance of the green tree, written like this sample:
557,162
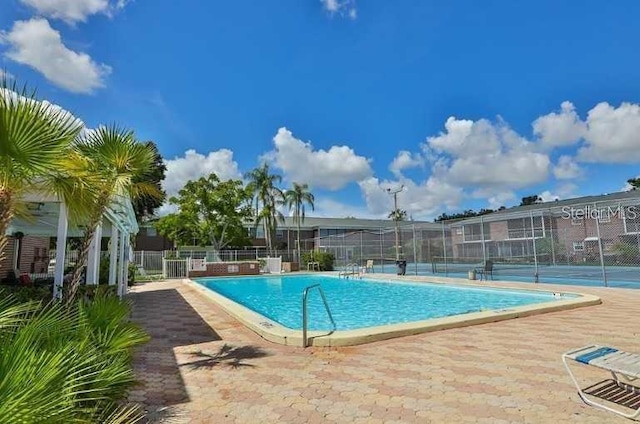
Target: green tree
469,213
210,211
547,248
35,138
178,229
262,184
530,200
398,215
296,198
145,206
270,216
634,183
117,170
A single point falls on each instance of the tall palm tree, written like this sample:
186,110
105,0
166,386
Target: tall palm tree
270,216
34,139
296,198
117,164
263,185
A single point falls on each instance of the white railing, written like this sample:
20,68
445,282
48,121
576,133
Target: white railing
175,268
273,265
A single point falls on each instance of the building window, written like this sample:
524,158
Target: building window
578,246
631,220
474,232
233,269
607,245
279,234
604,216
459,231
151,232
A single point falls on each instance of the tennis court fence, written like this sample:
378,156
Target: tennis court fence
594,244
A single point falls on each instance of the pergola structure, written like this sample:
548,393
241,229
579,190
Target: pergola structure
50,219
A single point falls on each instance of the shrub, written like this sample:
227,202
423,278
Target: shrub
67,364
324,259
23,294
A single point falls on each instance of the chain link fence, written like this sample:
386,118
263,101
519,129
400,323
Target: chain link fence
588,244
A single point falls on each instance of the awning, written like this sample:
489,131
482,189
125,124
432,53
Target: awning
591,239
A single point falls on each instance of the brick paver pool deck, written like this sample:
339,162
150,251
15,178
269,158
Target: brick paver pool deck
202,366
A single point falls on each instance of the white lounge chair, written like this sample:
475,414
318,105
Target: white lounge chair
622,366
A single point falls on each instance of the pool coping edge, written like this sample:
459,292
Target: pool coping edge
276,333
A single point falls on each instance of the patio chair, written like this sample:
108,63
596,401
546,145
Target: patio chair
619,364
485,270
369,266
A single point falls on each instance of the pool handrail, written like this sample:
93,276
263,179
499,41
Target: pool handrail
305,294
350,269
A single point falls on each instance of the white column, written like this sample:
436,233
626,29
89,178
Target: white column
121,263
61,245
93,263
16,250
113,256
127,260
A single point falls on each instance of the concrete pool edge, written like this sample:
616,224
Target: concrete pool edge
276,333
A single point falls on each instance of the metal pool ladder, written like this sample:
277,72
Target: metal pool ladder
305,294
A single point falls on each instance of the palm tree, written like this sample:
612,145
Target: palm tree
117,164
296,198
263,186
34,139
270,216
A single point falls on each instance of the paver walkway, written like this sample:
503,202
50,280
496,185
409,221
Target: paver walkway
202,366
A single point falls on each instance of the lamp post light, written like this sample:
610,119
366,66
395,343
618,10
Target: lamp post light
396,218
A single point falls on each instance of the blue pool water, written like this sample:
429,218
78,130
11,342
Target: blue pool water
362,303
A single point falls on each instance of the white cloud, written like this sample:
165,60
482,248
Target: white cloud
421,201
36,44
612,135
560,129
62,114
72,11
330,169
194,165
343,8
329,208
564,191
405,160
495,198
566,168
482,155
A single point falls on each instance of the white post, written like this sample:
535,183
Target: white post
113,256
126,264
93,262
16,249
121,263
61,245
533,242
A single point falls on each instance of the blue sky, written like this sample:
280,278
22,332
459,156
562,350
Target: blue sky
467,104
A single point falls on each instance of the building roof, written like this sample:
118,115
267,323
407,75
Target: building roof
44,210
314,223
310,223
623,198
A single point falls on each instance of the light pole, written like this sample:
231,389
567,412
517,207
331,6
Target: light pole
396,217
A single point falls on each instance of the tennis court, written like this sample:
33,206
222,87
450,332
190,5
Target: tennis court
581,275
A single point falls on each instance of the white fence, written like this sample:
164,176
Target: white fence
151,262
175,268
273,265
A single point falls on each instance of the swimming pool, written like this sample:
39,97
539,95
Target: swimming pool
372,309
